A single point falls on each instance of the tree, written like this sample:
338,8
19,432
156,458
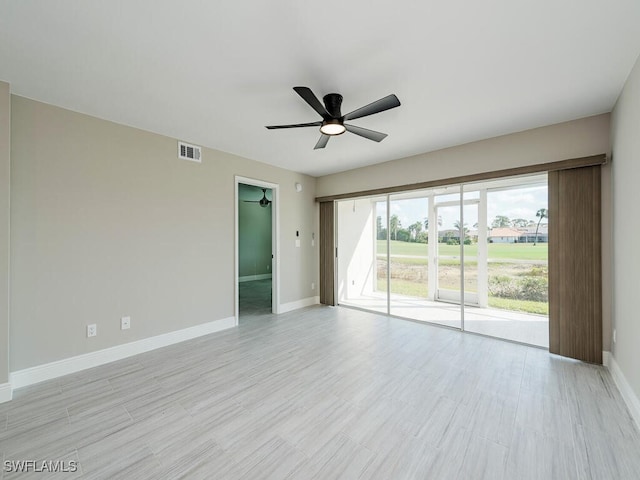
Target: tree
411,228
416,228
464,231
403,235
501,221
519,222
542,213
394,225
426,222
381,232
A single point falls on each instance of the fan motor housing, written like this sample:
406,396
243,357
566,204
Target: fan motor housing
333,102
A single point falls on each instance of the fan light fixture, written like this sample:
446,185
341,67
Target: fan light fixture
332,123
332,127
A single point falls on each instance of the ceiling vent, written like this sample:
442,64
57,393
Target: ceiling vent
189,152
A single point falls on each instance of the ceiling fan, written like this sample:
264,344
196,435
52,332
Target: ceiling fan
264,201
332,123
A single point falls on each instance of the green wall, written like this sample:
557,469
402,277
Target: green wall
254,231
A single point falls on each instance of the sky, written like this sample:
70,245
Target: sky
521,202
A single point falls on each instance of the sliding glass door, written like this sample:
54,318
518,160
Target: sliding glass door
418,254
409,255
513,273
362,259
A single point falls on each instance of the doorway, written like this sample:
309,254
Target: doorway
256,248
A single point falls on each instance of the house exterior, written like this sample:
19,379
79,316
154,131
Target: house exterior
528,234
519,235
504,235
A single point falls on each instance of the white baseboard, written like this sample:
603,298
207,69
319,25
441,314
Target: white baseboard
6,392
629,396
606,358
305,302
250,278
40,373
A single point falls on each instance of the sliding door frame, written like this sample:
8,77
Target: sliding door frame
595,338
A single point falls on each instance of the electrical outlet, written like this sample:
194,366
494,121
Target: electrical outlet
125,323
92,330
313,286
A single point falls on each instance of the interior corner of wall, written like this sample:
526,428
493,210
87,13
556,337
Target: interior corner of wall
6,392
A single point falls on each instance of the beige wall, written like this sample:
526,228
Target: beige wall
626,228
106,222
5,163
578,138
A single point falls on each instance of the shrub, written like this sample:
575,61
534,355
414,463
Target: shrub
534,288
502,286
536,272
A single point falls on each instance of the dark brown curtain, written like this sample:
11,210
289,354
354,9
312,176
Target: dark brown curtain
327,254
575,282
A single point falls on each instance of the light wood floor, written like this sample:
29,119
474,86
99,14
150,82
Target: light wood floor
330,393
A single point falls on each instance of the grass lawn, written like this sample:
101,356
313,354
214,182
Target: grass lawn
414,289
404,287
424,261
409,274
541,308
516,251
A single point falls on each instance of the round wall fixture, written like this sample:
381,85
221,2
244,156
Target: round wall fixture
298,187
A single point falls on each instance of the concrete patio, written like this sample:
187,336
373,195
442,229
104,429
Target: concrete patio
516,326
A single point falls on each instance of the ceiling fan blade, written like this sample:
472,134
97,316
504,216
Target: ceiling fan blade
322,142
386,103
366,133
295,125
308,96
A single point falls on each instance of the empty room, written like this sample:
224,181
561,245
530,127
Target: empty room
284,240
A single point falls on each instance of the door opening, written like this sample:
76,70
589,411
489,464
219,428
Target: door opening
256,248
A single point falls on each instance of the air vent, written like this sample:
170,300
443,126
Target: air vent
189,152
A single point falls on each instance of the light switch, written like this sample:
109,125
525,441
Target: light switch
298,242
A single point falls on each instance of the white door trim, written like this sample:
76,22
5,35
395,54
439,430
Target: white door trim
275,241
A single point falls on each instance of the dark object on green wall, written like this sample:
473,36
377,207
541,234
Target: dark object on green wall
264,201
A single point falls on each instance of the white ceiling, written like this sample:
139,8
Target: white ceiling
214,73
